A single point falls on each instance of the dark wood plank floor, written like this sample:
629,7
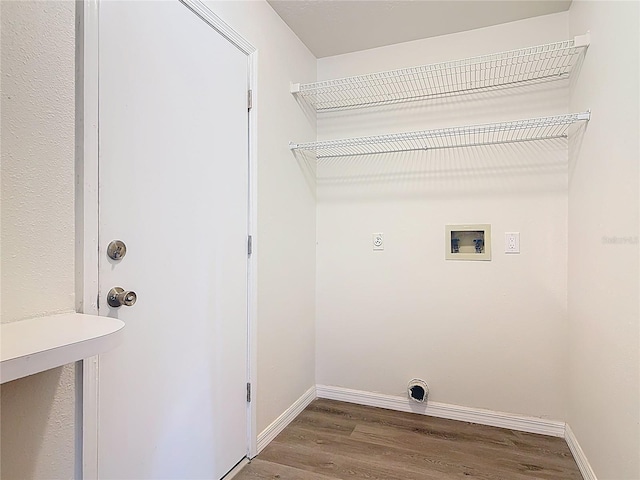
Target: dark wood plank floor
335,440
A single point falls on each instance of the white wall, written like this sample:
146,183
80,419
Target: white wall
37,64
489,335
604,406
286,211
483,334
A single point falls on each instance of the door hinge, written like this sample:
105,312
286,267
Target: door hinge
249,99
250,245
248,392
98,301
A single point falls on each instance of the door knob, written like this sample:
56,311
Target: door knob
116,250
118,296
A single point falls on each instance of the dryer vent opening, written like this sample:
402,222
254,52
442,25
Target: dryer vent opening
418,390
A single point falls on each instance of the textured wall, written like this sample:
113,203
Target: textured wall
483,334
37,70
604,224
37,158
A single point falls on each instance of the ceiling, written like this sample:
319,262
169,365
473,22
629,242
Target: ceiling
334,27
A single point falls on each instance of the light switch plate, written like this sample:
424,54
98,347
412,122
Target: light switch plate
512,242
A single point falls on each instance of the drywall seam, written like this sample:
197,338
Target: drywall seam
578,455
280,423
511,421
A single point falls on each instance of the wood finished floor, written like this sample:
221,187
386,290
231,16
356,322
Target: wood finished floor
335,440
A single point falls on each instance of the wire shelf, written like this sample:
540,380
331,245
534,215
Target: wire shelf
552,61
543,128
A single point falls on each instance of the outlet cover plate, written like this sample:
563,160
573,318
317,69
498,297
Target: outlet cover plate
378,241
512,242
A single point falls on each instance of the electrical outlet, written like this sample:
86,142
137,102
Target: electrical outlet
378,241
512,242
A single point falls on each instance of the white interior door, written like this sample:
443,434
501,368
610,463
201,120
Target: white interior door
173,162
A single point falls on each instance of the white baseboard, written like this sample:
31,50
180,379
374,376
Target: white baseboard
578,455
443,410
279,424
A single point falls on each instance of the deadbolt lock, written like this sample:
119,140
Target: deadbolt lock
117,250
118,297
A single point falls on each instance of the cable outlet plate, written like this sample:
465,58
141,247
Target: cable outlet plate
378,241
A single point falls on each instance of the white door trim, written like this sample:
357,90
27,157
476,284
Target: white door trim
201,10
87,216
252,303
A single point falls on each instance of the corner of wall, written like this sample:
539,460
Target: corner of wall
604,224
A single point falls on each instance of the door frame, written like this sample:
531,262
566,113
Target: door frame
87,220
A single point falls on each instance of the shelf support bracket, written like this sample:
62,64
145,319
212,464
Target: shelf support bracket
582,40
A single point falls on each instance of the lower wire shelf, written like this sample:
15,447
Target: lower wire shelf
542,128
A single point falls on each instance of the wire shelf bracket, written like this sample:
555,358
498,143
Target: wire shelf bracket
542,128
548,62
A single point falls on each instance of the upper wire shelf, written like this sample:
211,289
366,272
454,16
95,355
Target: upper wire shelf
552,61
543,128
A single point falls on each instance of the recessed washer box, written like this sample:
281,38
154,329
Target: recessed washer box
468,242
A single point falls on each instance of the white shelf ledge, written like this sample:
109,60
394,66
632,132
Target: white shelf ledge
544,128
552,61
39,344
